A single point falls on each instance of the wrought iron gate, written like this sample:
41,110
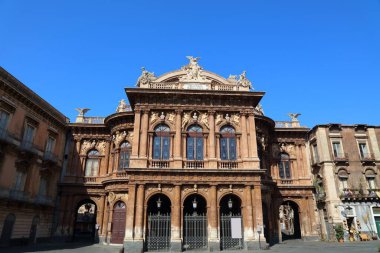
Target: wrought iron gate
226,240
195,231
158,232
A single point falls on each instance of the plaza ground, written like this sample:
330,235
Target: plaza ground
297,246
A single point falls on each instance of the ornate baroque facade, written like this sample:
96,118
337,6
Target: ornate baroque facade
195,165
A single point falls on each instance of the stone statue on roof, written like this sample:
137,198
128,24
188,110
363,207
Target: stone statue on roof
122,107
145,78
243,80
193,70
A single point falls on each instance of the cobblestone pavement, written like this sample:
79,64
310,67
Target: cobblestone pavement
286,247
325,247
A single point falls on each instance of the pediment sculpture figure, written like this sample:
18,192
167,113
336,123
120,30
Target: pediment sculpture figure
122,107
145,78
153,117
193,70
204,119
243,80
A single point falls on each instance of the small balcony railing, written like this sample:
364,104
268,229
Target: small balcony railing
228,164
18,195
90,179
159,164
50,156
194,164
286,181
44,200
367,157
340,157
28,146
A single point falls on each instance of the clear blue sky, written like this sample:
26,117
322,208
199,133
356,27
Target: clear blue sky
320,58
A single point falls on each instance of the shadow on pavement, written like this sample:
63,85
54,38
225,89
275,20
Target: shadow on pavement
53,247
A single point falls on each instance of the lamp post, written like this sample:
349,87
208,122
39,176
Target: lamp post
230,205
159,202
195,205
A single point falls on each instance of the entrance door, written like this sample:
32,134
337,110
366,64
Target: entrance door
33,230
6,233
195,231
118,223
158,232
231,232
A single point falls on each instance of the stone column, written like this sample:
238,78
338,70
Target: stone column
248,219
244,137
105,220
129,244
177,140
144,134
258,209
100,217
212,157
136,135
139,217
176,242
213,220
252,136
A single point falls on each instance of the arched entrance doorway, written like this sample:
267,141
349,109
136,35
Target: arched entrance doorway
118,222
6,233
158,223
231,223
85,220
33,229
289,221
194,222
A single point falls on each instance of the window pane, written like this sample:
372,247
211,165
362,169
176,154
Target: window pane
199,148
50,144
223,149
190,148
165,148
29,131
232,149
156,147
43,186
287,169
281,170
4,117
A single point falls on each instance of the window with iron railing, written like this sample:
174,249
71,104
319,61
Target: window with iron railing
20,180
4,118
227,143
92,163
194,143
284,166
161,142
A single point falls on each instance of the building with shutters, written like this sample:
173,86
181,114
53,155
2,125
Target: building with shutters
345,161
32,140
191,163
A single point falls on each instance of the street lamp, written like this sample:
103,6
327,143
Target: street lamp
230,203
159,202
195,205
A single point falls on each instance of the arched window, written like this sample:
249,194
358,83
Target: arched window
284,166
6,233
92,163
227,143
125,152
161,142
194,143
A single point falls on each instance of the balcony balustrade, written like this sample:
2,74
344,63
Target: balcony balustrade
50,156
228,164
286,181
18,195
341,157
193,164
367,157
44,200
159,164
28,146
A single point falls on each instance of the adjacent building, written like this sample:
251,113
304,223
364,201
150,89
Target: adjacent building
32,140
345,162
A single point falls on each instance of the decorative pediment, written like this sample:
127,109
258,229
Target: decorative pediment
193,77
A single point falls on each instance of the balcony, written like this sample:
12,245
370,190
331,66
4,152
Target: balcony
359,194
6,137
18,195
29,147
50,157
159,164
89,180
286,181
367,158
228,164
44,200
193,164
341,158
